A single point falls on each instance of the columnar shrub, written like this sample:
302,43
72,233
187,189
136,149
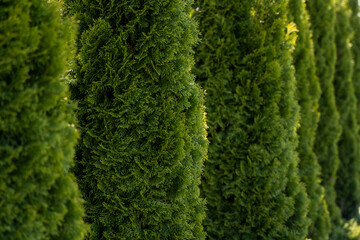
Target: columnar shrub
348,181
355,24
322,18
251,181
308,95
38,196
141,117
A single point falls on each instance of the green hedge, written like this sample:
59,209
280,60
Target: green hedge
322,18
38,196
244,63
141,118
355,46
308,95
348,180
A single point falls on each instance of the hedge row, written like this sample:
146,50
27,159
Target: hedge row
275,115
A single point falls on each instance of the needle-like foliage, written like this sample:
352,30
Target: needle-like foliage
355,24
39,199
308,95
322,18
251,180
355,46
348,180
141,119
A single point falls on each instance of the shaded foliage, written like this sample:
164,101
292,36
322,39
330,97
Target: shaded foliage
348,181
322,18
251,180
308,95
38,196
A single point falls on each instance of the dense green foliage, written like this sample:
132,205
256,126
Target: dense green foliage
141,118
355,24
348,180
308,95
322,18
38,196
244,63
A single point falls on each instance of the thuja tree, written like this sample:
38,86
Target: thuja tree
322,18
39,197
308,95
355,24
141,119
244,64
348,181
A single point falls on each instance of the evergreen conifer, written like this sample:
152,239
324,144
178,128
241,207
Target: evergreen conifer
322,19
348,180
251,181
308,95
141,117
355,43
355,24
39,198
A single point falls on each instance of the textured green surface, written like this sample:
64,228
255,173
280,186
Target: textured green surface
355,46
322,18
141,118
38,196
348,180
244,63
355,24
308,95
